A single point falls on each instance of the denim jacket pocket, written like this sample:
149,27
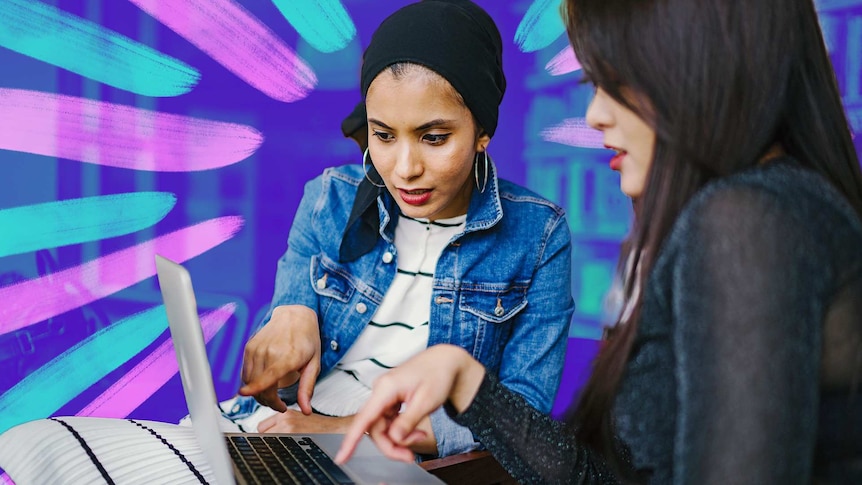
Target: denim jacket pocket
329,279
494,303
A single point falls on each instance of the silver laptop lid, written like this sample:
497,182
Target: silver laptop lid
178,294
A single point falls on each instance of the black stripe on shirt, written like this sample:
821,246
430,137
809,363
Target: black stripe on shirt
177,452
351,374
433,223
381,364
418,273
87,449
395,324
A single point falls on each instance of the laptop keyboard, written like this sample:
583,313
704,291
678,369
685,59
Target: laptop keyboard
283,459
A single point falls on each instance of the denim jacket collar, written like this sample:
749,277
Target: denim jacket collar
358,238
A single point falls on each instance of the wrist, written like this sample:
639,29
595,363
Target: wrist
467,381
294,313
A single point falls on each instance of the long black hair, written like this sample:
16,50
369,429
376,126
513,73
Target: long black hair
724,81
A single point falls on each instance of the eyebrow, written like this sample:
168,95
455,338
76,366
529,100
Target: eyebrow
422,127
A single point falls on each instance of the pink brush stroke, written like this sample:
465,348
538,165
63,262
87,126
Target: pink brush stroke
35,300
574,132
6,480
563,63
130,391
240,42
119,136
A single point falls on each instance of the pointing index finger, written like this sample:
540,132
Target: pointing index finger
373,410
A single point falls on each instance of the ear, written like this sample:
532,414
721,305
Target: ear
482,142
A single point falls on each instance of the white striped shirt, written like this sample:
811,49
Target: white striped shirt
399,328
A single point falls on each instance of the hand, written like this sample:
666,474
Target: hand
288,343
292,421
422,384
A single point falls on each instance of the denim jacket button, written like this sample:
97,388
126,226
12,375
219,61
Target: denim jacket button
387,257
499,310
321,283
333,345
361,308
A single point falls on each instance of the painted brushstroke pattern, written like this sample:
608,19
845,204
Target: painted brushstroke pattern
563,63
65,222
115,135
574,132
51,386
148,376
46,33
324,24
541,25
239,41
108,274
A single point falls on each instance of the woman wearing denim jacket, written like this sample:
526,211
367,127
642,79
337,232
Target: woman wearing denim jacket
357,265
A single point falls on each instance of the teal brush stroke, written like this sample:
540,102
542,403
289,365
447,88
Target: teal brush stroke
540,27
48,388
49,34
325,24
61,223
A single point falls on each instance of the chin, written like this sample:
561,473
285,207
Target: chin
415,212
630,190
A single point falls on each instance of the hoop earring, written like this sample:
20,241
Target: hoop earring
476,173
364,161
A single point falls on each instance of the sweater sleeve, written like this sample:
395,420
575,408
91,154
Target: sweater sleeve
749,294
530,445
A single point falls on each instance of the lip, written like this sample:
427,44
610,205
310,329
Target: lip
616,161
415,199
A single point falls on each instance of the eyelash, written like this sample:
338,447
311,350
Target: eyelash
436,139
382,136
433,139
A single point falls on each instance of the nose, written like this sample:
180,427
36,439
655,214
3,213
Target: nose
598,112
408,165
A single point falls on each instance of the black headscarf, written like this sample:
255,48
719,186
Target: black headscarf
457,40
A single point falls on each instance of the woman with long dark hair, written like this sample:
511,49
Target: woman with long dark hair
737,354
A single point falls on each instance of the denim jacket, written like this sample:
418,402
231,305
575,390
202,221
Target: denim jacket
501,290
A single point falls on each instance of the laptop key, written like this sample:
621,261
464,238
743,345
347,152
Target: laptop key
293,463
326,463
288,463
239,462
307,462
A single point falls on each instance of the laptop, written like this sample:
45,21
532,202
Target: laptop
251,457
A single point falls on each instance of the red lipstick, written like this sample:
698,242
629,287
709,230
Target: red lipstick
616,162
415,197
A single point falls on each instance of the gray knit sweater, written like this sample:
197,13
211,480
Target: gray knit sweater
749,345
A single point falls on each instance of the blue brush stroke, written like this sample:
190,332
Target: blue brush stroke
44,32
51,386
54,224
325,24
541,26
